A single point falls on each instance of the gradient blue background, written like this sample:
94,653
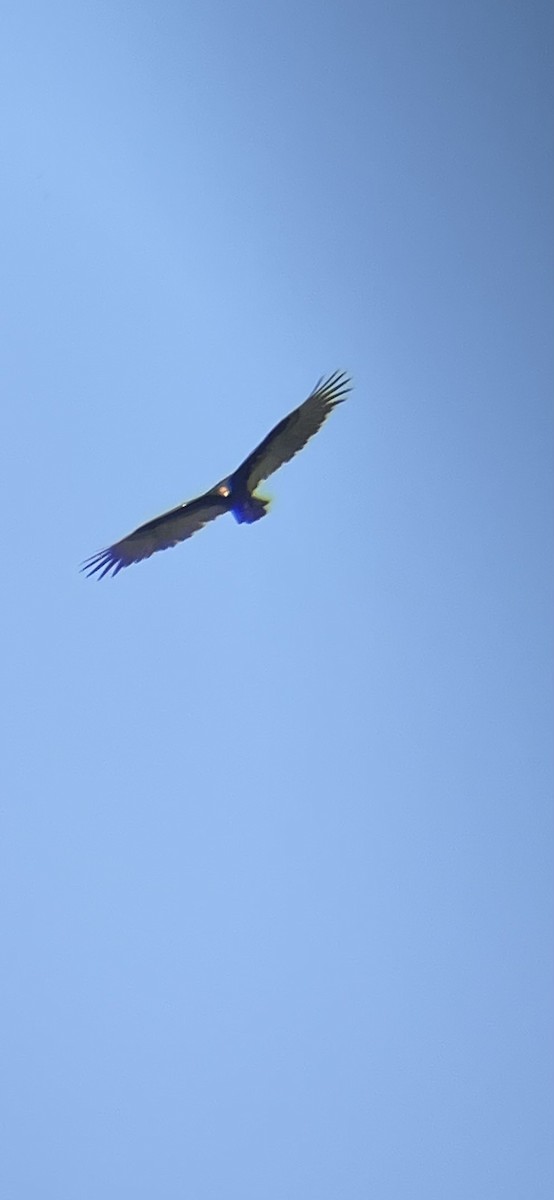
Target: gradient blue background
276,813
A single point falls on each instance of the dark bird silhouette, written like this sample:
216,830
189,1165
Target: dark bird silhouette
234,494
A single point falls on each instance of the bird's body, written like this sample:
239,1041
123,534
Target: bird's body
234,494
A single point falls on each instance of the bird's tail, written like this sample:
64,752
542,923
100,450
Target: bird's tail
251,509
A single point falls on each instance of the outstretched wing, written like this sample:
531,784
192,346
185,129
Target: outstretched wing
292,433
169,529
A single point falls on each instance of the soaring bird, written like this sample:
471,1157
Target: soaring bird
234,494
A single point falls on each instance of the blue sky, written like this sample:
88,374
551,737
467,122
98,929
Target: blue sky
276,821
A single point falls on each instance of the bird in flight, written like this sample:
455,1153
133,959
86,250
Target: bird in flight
234,494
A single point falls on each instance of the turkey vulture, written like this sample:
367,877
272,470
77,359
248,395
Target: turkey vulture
234,494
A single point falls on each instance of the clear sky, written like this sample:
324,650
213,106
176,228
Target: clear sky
276,806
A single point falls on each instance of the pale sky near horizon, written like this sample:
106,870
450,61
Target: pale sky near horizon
276,817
